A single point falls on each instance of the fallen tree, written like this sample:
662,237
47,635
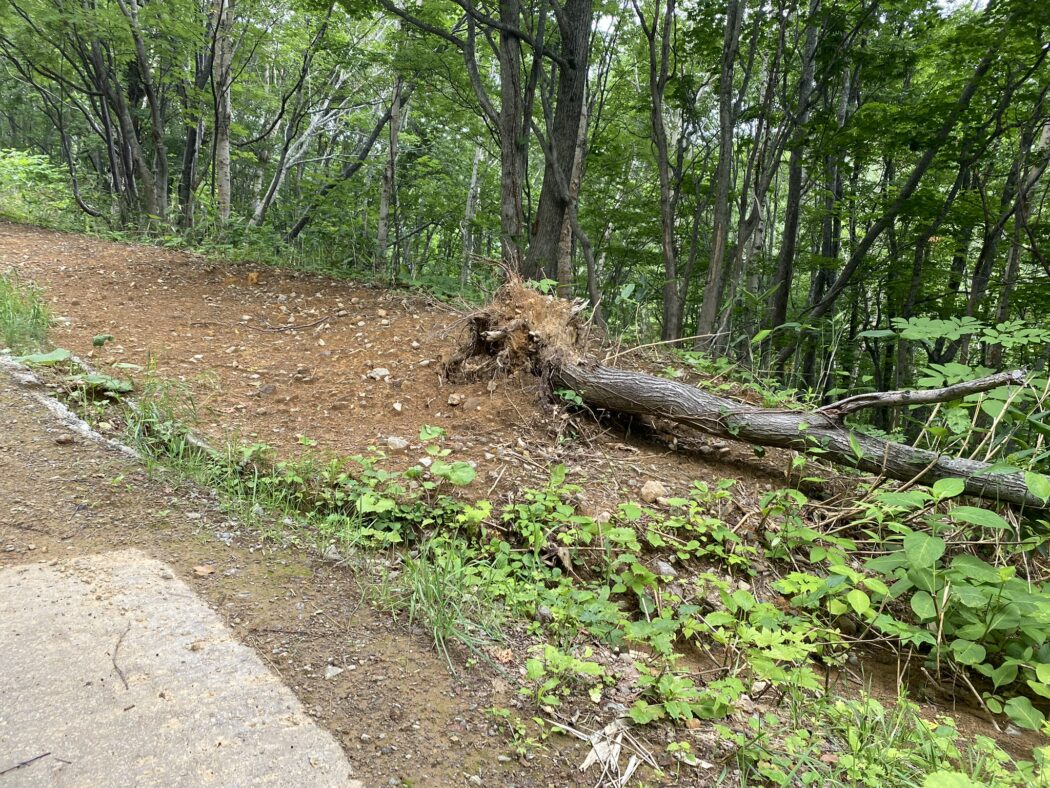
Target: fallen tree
524,329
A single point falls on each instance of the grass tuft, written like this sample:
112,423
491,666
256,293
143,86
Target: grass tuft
24,317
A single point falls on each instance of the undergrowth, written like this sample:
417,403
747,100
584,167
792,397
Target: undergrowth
686,615
24,317
742,628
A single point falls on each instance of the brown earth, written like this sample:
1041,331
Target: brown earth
230,333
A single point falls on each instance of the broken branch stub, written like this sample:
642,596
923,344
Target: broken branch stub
525,330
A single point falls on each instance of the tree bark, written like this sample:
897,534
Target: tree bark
386,197
222,73
632,392
522,329
469,214
712,300
574,25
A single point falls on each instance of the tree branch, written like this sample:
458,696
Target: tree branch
897,399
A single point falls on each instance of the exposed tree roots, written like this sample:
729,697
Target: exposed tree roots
522,329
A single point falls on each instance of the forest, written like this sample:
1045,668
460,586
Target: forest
798,210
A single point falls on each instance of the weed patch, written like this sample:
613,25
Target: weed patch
24,317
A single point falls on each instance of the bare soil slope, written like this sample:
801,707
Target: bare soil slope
273,355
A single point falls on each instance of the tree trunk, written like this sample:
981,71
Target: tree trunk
793,205
386,196
222,72
712,301
574,23
659,33
522,329
565,272
632,392
469,214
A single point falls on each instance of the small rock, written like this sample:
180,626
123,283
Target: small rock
474,780
398,406
332,671
544,614
664,569
65,440
652,490
455,399
395,443
331,553
379,373
415,345
381,312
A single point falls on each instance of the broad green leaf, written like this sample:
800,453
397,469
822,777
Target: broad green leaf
56,356
858,600
985,518
1023,714
1038,485
1004,675
948,780
1039,688
923,605
922,549
1042,672
966,652
975,569
948,488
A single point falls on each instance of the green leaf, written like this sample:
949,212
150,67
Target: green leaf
985,518
429,433
56,356
975,569
643,713
1042,672
966,652
765,332
922,549
944,779
1023,714
858,600
1004,675
923,605
1038,485
947,488
459,473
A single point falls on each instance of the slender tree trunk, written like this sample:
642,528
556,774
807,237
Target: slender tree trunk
386,196
565,270
467,229
574,23
222,74
512,142
793,206
713,286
